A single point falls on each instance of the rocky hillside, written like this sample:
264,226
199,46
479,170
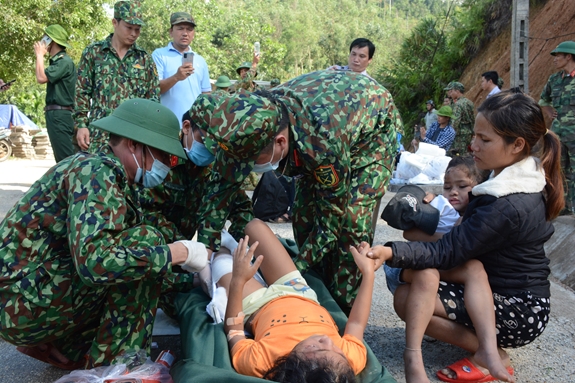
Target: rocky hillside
554,18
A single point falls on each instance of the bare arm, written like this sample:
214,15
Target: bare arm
359,314
40,51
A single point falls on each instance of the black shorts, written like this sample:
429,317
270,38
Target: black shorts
519,319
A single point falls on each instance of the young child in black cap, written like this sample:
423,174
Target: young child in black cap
416,212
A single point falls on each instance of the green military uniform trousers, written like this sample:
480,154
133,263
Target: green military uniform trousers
339,271
105,320
60,125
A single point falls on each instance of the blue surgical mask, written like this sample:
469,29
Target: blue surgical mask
268,166
157,174
154,177
198,153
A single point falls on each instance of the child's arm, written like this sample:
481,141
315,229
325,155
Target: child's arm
242,272
379,254
359,314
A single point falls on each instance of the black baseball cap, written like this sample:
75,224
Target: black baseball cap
407,210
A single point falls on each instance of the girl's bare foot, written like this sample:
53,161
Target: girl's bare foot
413,366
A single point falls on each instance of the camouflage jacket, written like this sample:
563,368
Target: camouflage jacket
178,200
463,114
559,92
220,92
81,220
339,121
105,80
247,82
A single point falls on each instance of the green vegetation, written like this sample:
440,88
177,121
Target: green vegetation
421,44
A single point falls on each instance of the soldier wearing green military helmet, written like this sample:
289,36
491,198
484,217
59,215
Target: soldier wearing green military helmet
557,102
247,72
60,77
87,272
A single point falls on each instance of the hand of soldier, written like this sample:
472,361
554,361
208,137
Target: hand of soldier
83,138
206,280
184,71
40,49
197,257
256,59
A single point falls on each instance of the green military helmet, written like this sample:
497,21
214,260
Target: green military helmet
455,85
57,34
245,64
129,11
223,82
445,111
147,122
565,47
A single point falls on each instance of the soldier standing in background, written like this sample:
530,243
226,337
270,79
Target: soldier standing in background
463,117
558,101
61,79
247,73
223,85
111,71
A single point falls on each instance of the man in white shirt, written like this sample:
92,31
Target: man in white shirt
181,84
489,82
361,53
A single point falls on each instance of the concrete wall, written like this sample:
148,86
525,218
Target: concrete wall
561,250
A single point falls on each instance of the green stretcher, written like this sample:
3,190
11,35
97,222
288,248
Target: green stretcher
206,356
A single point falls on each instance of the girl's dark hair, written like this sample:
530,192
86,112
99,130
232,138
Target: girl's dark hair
514,115
468,164
295,368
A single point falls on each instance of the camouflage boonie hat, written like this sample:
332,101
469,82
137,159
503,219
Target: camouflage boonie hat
147,122
565,47
129,11
455,85
181,17
57,34
239,126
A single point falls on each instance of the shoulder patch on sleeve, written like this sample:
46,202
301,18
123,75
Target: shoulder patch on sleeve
326,175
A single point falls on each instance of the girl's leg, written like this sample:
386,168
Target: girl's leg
277,261
421,293
480,307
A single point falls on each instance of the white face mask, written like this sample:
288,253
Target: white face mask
268,166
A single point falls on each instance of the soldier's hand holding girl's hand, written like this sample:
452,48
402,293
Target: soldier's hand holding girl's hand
243,270
380,254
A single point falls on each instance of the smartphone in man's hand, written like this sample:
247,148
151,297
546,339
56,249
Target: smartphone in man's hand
188,57
7,84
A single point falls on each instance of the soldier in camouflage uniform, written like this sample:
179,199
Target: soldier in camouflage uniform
247,73
111,71
463,117
558,101
336,132
82,275
179,197
223,85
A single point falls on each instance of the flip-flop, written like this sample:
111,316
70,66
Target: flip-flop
467,372
47,357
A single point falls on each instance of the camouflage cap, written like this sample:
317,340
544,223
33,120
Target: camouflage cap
129,11
241,125
181,17
455,85
147,122
565,47
57,34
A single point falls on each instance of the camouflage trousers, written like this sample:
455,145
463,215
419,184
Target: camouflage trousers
567,165
463,139
338,269
101,321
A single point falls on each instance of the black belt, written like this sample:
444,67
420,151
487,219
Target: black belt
57,107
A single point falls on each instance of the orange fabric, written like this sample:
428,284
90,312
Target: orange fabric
281,325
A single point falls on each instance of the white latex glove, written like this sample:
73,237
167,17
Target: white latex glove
197,256
206,280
